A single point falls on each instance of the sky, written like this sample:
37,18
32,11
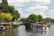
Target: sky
38,7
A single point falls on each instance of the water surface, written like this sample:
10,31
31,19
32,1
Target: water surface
21,31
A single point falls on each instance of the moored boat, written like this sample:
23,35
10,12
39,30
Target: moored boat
2,28
45,28
39,27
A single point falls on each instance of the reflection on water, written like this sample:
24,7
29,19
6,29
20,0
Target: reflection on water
7,32
20,31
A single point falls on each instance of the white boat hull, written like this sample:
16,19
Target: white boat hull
47,29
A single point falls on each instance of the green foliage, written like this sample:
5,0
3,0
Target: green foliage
23,19
10,9
48,19
44,21
39,18
4,4
32,18
48,25
52,20
5,17
5,8
16,15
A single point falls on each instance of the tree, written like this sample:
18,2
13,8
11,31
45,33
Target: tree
39,18
48,19
2,17
23,19
4,4
32,18
44,21
11,9
8,16
52,20
16,15
5,8
5,17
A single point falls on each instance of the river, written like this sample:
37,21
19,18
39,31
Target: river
21,31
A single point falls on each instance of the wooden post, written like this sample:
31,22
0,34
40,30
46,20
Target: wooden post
10,25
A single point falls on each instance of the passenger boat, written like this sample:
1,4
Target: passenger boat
39,27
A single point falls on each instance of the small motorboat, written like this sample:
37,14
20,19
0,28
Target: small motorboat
45,28
2,28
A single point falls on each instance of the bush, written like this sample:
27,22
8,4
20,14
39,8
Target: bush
5,17
48,25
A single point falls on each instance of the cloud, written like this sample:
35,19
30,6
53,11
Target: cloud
30,2
20,10
22,13
26,2
11,2
43,1
27,7
42,10
22,0
38,8
51,13
52,10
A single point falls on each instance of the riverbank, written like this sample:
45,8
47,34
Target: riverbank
10,25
